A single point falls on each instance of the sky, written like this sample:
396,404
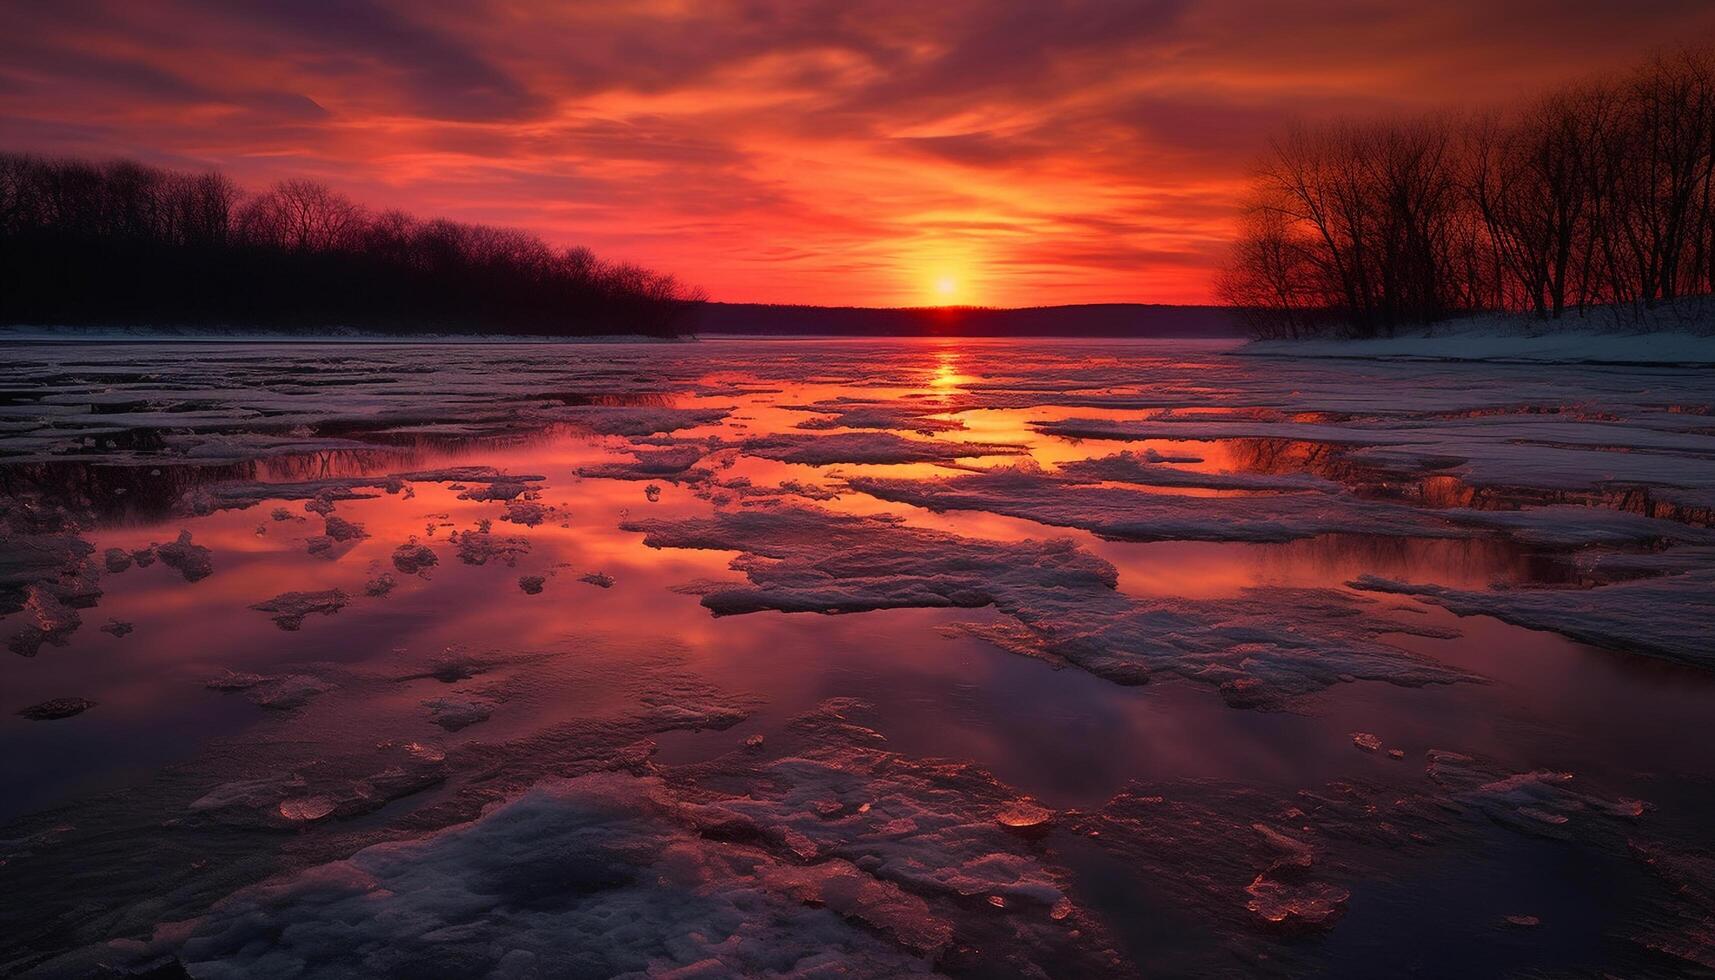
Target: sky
837,152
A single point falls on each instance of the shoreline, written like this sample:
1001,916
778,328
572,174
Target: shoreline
90,335
1670,336
1483,340
1652,349
168,335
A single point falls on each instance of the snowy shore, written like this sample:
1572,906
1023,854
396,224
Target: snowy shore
1682,335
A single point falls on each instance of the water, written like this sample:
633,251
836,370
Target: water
578,653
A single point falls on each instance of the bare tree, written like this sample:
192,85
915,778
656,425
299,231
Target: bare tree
302,215
1599,193
122,241
1666,126
1529,181
1269,277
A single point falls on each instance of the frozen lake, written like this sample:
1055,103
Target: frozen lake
991,658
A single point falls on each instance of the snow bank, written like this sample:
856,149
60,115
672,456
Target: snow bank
1680,336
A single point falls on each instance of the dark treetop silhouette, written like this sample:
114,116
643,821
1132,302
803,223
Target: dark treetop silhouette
126,244
1599,194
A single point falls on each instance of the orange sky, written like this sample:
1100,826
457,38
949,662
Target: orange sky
800,151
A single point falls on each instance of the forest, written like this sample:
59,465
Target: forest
1594,196
125,244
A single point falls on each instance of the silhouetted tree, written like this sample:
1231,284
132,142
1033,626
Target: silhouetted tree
125,243
1599,193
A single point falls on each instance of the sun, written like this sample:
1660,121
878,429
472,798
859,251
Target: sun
947,288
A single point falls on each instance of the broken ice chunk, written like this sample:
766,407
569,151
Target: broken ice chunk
193,561
526,512
412,558
290,608
481,546
306,809
1025,817
57,708
1306,906
1670,616
454,713
48,621
340,529
334,788
234,681
288,692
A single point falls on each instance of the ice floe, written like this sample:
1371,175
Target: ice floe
843,861
412,558
1670,616
56,709
868,447
481,546
455,712
290,608
1149,469
1260,650
1135,515
596,876
670,463
356,785
915,415
46,575
281,693
193,561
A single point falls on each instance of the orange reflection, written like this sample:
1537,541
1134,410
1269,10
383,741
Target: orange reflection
946,376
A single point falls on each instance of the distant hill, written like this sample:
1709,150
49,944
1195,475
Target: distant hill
1088,320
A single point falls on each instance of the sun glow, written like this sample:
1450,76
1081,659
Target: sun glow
946,289
946,374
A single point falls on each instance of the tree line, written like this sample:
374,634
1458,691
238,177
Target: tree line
122,243
1600,194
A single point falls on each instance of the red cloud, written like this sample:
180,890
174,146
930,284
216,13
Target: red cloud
783,150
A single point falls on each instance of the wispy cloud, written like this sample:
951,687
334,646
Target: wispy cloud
841,151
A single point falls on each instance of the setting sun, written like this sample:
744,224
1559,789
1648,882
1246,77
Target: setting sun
947,288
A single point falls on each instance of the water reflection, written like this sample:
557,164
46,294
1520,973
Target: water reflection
946,378
1066,737
155,670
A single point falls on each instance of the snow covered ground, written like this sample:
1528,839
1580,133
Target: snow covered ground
1683,335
